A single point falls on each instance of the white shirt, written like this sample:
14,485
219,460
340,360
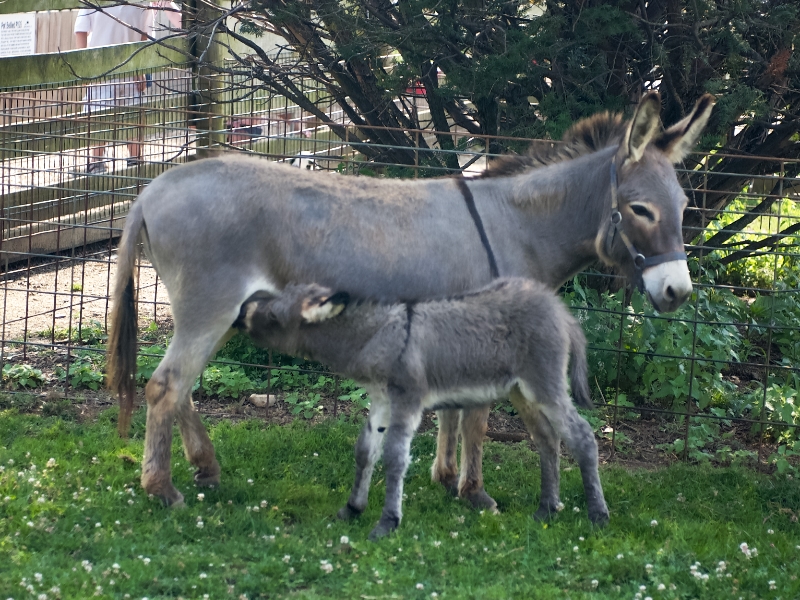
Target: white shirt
105,31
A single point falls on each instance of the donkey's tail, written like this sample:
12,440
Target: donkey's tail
579,374
121,363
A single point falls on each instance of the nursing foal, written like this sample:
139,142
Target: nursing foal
513,337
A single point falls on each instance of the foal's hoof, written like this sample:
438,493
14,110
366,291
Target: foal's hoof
348,512
450,482
384,527
480,500
207,476
547,511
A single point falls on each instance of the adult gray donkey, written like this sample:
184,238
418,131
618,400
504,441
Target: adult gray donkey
511,338
220,229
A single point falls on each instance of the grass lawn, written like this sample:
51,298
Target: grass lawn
74,523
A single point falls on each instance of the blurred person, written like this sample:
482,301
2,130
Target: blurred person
166,18
106,27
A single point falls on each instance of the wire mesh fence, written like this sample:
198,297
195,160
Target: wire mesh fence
731,356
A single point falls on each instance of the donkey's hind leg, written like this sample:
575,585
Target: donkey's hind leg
548,444
368,448
474,423
168,396
445,468
197,445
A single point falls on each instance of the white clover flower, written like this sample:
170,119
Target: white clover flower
344,540
434,595
286,558
772,585
41,499
87,566
51,463
648,567
436,544
201,497
250,481
326,566
653,523
575,548
199,524
291,571
454,534
576,510
146,560
94,460
115,566
97,525
620,556
37,577
264,504
642,588
661,587
770,531
595,583
203,576
419,586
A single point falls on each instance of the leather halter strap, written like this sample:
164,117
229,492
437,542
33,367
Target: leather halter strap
640,261
476,218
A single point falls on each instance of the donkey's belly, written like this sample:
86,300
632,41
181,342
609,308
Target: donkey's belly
465,397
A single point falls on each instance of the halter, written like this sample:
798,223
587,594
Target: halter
640,262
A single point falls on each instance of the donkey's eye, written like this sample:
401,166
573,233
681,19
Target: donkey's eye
642,211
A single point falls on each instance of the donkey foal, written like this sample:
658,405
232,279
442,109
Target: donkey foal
510,337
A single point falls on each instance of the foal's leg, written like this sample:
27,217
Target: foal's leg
368,449
579,438
406,415
548,444
445,468
474,423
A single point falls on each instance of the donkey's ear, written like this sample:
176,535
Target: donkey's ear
642,128
318,308
677,141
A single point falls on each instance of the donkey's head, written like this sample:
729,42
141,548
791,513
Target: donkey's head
273,318
644,236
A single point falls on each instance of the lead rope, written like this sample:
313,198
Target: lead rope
476,218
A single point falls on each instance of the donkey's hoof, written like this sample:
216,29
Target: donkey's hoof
450,483
599,517
480,500
348,512
165,491
385,526
207,476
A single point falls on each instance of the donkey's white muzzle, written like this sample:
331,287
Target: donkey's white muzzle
668,284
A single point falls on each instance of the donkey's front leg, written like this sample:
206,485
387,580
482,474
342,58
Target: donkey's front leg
474,423
445,468
368,449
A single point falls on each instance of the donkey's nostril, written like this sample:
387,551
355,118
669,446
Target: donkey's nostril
670,293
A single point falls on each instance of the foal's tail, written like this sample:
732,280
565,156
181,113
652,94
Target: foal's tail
579,375
121,360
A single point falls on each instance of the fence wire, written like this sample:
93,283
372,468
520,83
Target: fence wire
62,217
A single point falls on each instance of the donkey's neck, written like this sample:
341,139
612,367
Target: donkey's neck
561,208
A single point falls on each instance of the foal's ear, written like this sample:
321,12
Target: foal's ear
677,141
643,127
316,309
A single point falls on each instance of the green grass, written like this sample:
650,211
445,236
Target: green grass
81,523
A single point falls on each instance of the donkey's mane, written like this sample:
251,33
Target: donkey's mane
584,137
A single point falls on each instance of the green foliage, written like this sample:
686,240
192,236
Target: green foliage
83,372
87,334
226,380
17,376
